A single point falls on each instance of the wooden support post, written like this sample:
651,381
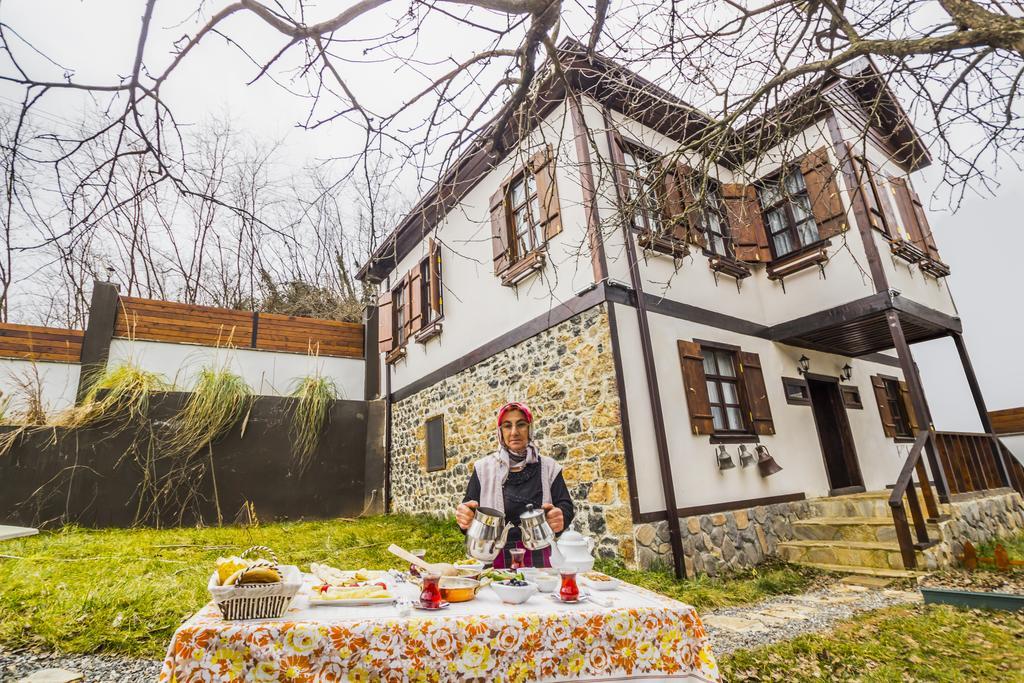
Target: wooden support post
371,378
918,400
979,404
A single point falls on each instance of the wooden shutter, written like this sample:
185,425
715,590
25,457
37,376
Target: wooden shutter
885,201
499,230
888,425
407,304
671,196
692,215
908,405
435,276
621,174
697,401
760,410
543,166
743,211
415,299
385,335
922,225
914,223
819,176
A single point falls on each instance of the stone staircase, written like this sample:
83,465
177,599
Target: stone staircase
855,534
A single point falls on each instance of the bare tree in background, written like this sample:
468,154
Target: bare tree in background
958,63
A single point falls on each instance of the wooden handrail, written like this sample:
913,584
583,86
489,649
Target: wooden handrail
905,484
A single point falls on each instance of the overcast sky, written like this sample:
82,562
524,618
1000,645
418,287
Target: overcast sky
982,241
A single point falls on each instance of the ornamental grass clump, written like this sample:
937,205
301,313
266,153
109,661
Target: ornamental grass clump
123,392
219,401
313,396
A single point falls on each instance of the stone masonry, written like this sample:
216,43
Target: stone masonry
722,541
979,520
567,376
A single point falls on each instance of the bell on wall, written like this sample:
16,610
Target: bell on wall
766,463
724,459
746,457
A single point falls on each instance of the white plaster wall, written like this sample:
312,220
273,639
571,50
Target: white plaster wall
269,373
59,382
477,308
795,444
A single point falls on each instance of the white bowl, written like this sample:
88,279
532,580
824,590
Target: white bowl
547,583
514,595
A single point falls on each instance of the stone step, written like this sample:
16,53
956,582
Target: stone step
849,529
877,554
869,504
865,571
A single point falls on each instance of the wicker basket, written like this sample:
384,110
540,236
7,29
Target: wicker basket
257,600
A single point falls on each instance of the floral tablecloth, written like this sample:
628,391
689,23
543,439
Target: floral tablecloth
640,635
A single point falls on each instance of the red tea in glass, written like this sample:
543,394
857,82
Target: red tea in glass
420,553
517,558
430,596
570,592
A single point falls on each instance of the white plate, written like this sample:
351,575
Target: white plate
352,602
609,585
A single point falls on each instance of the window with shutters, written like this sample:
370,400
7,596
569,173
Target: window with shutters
723,387
426,309
525,216
789,217
897,408
871,193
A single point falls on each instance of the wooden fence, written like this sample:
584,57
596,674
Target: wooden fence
1009,421
165,321
40,343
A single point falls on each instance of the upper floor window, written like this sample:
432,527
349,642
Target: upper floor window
398,314
716,229
524,216
642,176
723,389
789,217
524,211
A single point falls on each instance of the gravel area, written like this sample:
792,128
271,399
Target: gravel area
97,669
786,617
981,581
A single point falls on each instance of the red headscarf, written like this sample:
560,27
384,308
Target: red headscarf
515,405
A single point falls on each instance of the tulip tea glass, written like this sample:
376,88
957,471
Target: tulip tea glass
570,591
517,558
430,596
420,553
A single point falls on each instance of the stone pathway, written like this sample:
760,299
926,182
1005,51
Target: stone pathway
788,616
16,667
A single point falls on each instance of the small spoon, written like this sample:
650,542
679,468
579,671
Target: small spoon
442,568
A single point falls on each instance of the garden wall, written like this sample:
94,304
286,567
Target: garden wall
115,475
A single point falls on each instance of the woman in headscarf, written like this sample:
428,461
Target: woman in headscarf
512,478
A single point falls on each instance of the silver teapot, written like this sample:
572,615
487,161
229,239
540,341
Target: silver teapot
486,534
536,532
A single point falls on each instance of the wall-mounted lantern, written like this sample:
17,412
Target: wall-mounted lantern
803,366
846,373
724,459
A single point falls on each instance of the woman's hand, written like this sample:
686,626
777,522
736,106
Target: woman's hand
556,520
465,513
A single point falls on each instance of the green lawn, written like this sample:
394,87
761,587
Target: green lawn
918,643
125,591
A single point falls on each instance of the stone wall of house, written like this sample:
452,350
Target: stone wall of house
979,520
567,376
721,541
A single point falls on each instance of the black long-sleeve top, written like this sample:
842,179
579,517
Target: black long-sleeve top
523,488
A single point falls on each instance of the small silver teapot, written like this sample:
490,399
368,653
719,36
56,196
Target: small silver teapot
535,530
486,534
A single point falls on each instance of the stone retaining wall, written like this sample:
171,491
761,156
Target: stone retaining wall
980,520
567,376
722,541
